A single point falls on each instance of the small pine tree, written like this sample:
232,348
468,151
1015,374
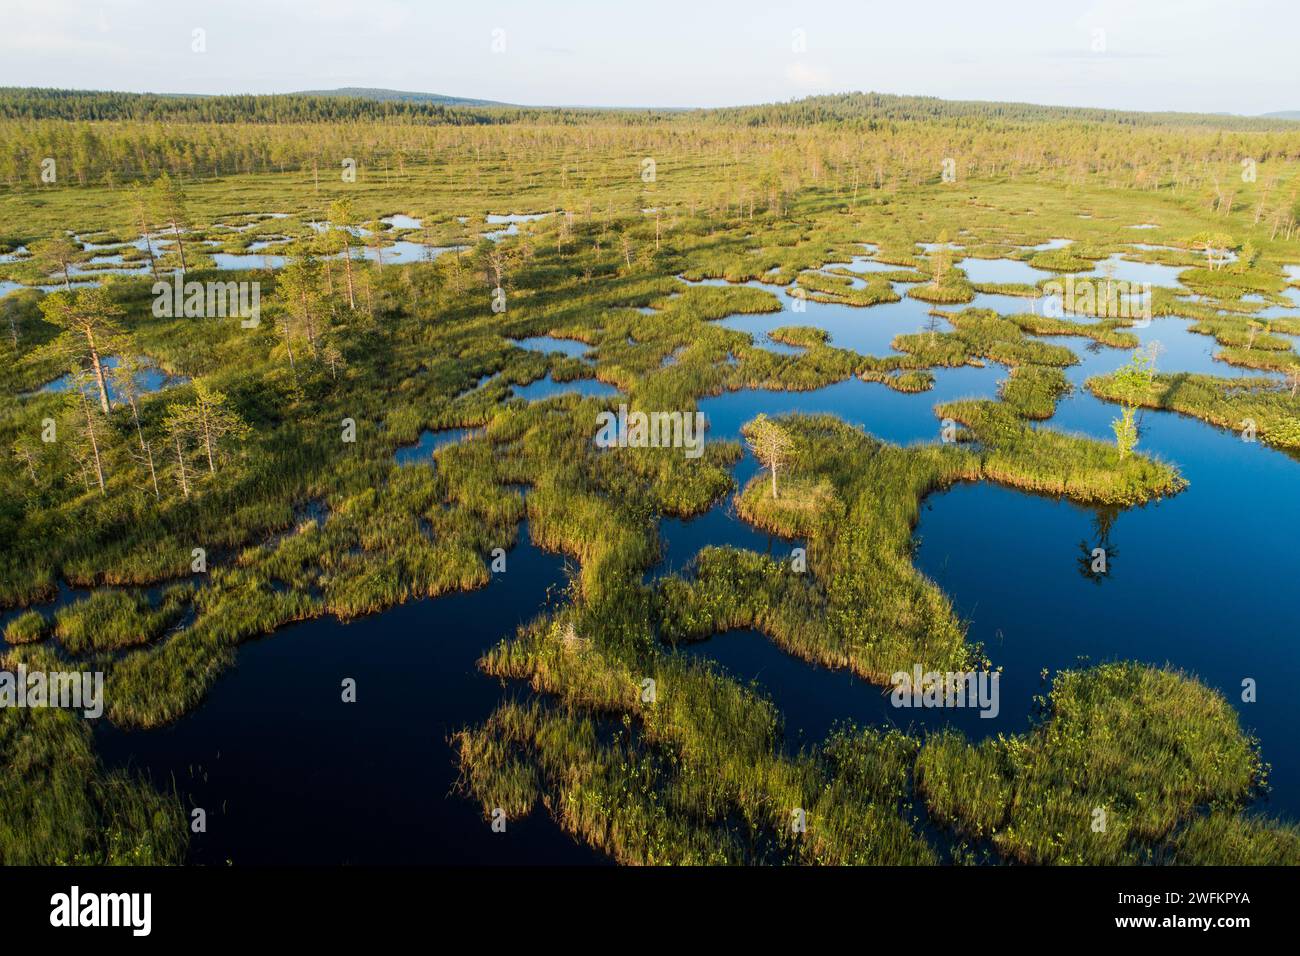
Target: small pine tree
771,445
1133,383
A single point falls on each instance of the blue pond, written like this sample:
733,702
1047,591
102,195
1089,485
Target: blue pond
867,330
403,221
421,453
149,379
1200,581
681,539
259,260
288,772
981,271
811,699
893,416
547,344
1196,581
547,387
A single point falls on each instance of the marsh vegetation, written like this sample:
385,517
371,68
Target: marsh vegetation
379,437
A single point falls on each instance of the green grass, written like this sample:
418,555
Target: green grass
60,806
952,289
1033,390
1124,755
823,287
1051,462
27,628
1231,403
114,619
1107,332
1061,260
1222,838
849,497
981,334
700,776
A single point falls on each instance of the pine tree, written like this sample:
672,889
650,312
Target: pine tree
170,208
140,220
179,424
56,255
214,420
89,331
124,377
375,240
299,288
771,445
87,427
27,451
1133,383
342,218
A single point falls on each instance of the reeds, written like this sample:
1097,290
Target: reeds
1124,754
699,775
1052,462
58,805
1261,407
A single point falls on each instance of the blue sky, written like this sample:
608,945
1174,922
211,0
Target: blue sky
1203,55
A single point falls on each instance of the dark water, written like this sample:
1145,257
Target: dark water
67,594
1203,581
812,699
681,539
893,416
430,440
287,772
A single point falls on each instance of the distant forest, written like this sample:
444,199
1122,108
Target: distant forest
858,108
84,106
858,140
849,109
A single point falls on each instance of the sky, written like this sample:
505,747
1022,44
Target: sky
1232,56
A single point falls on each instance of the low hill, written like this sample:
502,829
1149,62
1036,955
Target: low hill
399,96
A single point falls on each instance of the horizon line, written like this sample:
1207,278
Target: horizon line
483,103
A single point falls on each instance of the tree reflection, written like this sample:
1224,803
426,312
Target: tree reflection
1096,561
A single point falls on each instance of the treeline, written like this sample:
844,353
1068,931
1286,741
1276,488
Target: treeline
867,110
111,153
97,106
912,141
871,109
